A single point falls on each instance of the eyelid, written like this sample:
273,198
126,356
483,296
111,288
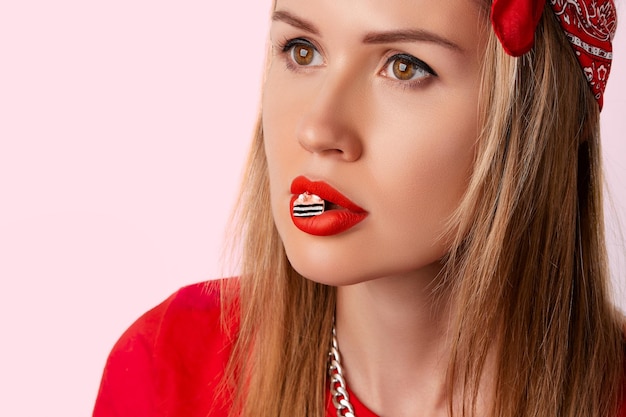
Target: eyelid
287,44
413,60
287,49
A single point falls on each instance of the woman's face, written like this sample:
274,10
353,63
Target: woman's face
372,106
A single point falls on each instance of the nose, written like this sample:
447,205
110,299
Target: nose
330,125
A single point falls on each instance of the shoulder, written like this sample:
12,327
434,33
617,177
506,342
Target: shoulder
170,360
188,316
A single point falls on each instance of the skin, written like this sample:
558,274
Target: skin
400,149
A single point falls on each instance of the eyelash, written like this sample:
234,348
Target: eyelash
418,65
287,45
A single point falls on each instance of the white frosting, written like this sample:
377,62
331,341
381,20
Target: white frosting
308,205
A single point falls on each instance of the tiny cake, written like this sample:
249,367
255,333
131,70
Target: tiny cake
308,205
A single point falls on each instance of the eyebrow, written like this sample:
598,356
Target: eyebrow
406,35
283,16
410,35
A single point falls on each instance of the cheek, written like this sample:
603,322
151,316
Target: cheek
422,178
280,113
280,150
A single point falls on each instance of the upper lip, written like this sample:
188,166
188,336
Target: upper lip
302,184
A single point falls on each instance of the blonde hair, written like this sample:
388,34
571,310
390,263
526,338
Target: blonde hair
529,262
527,271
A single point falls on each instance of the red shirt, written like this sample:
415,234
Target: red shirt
169,362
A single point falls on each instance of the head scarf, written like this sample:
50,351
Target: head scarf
588,24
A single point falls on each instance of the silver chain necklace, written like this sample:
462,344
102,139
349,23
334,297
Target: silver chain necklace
338,389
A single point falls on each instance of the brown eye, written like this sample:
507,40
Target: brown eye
403,69
303,54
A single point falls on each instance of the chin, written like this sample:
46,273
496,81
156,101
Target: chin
330,269
326,271
336,273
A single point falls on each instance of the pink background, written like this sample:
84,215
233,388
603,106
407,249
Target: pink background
123,130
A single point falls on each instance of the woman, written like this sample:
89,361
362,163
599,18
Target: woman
424,194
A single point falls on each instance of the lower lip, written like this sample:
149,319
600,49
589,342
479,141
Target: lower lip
331,222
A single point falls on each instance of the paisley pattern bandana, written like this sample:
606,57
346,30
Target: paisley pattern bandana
589,26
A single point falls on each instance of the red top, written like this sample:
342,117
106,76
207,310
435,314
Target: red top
169,362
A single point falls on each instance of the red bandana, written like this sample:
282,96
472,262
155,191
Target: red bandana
588,24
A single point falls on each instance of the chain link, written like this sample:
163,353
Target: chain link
338,389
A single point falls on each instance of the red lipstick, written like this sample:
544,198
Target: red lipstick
339,214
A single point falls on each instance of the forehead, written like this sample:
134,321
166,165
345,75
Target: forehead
454,19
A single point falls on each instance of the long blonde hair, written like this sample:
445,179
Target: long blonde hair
527,271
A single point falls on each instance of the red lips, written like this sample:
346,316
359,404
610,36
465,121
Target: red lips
332,221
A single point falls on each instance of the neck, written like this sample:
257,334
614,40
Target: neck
392,336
